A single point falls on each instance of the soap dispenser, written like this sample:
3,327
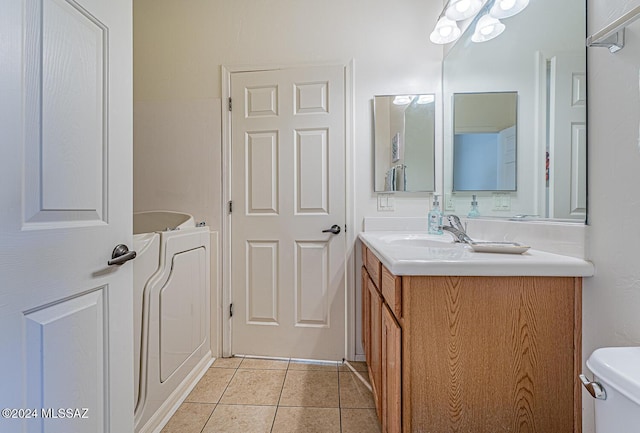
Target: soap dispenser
434,225
474,212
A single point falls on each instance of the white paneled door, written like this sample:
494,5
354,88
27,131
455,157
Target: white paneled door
288,187
568,137
65,203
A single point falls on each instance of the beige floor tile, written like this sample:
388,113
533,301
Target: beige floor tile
307,420
241,419
357,366
189,418
354,393
254,387
310,389
359,421
313,366
226,362
211,386
362,374
263,364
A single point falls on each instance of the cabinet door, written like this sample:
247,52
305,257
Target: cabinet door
366,315
375,329
391,373
491,354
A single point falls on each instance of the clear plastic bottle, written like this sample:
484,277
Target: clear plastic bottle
474,212
434,225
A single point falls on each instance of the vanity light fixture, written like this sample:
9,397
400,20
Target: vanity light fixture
487,28
459,10
402,99
446,31
425,99
507,8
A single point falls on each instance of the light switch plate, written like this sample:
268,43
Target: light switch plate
501,201
386,202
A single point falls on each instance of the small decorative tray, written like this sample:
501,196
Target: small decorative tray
499,247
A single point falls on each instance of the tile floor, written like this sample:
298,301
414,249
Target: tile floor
251,395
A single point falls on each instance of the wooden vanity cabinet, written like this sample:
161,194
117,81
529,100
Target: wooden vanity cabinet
474,354
375,352
391,373
366,313
382,343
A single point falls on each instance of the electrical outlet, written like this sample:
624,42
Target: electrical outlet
449,203
386,202
501,201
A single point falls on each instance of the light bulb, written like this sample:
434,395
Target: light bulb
462,6
425,99
505,5
508,8
402,99
462,9
487,30
446,31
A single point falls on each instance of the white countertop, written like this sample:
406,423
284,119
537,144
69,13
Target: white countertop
417,253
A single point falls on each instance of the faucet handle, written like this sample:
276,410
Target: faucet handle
454,221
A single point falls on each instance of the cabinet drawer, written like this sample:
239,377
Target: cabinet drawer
374,267
392,292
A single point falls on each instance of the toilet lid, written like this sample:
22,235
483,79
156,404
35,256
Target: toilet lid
619,368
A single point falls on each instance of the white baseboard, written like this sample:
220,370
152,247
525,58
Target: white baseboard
162,416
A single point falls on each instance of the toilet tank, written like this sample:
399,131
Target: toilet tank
617,369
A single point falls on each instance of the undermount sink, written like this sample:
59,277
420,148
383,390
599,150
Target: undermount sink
420,240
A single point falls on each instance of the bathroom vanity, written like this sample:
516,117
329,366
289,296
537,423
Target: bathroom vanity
451,347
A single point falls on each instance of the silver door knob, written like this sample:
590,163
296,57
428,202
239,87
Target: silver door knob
335,229
120,255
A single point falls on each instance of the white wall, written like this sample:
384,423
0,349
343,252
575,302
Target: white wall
180,47
176,157
611,299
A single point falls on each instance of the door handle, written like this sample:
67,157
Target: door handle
335,229
120,255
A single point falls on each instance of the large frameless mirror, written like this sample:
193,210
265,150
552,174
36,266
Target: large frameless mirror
541,55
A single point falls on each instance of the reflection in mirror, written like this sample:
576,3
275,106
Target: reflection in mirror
404,142
484,141
542,56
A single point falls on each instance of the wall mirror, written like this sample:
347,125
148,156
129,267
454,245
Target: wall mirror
541,56
484,141
404,143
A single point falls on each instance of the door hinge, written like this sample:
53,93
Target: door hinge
229,104
230,206
230,310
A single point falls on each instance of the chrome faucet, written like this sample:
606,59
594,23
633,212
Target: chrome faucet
456,229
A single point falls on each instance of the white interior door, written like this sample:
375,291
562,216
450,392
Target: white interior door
288,185
507,159
65,202
568,137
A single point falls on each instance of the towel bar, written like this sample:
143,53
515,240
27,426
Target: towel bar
612,36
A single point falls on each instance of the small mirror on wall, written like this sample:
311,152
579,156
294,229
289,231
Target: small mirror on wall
485,141
404,143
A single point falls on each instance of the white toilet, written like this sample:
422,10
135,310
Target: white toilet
616,389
